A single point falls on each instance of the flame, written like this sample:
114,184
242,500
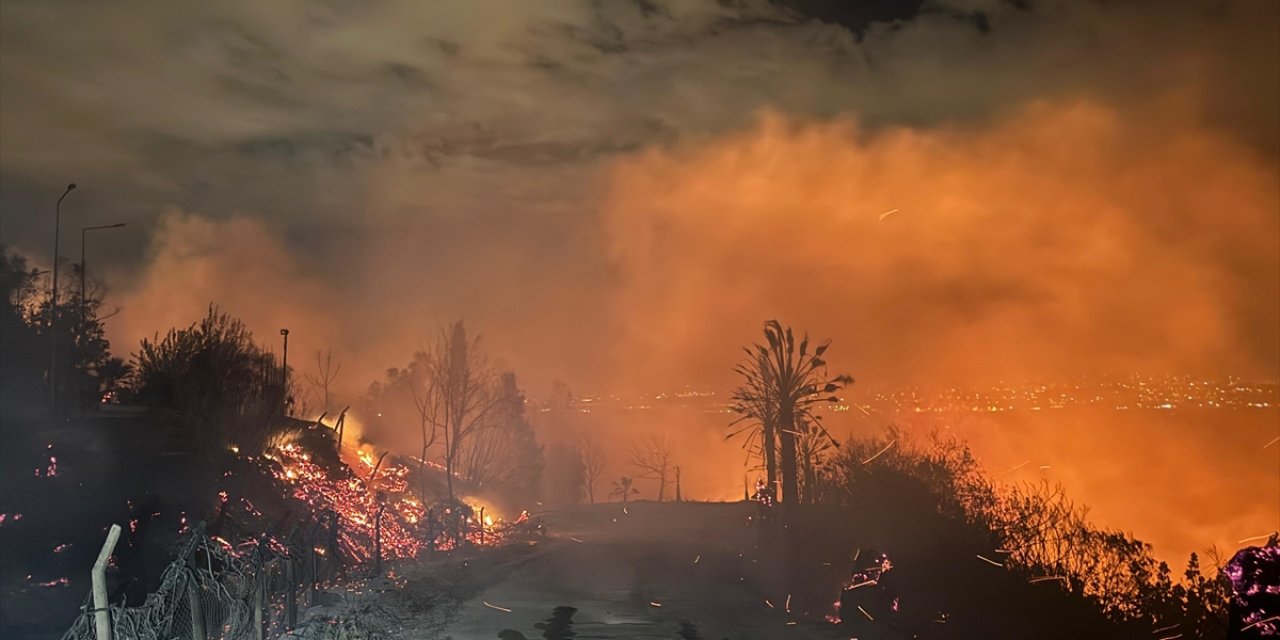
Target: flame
376,496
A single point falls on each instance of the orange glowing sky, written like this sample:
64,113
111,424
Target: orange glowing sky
617,195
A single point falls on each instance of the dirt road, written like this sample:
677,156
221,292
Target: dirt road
641,571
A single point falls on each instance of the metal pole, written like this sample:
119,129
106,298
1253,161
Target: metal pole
284,373
259,597
53,306
102,617
291,594
83,279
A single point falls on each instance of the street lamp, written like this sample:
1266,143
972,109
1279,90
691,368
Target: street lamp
53,305
85,269
284,372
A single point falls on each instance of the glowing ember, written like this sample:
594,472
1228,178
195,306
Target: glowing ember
375,497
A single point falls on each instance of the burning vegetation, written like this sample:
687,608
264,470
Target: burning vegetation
445,464
375,512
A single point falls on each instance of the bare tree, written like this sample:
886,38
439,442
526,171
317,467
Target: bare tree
654,458
594,460
428,402
503,453
465,391
326,374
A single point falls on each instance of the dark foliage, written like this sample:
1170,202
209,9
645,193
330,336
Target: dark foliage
221,387
85,369
1033,531
564,480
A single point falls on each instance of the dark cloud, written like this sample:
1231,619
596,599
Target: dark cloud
461,161
616,194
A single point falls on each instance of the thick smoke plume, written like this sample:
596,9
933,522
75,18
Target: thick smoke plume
1060,240
618,198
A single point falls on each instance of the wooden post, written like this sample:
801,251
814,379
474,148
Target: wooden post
431,530
340,427
102,617
311,591
377,538
290,595
259,596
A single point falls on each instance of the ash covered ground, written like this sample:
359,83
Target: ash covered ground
694,570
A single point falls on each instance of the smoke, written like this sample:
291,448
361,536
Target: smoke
618,198
239,264
1063,239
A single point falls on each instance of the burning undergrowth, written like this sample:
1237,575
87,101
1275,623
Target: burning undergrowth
347,504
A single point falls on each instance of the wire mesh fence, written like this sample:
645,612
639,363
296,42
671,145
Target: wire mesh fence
215,591
211,591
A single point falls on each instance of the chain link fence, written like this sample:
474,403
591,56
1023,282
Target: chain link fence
212,592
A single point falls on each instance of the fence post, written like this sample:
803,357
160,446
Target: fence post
315,563
260,594
431,531
290,595
377,538
102,617
197,610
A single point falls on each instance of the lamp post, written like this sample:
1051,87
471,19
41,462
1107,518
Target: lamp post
284,372
53,305
84,269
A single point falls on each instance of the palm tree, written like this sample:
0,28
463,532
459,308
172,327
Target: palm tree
757,408
781,386
622,487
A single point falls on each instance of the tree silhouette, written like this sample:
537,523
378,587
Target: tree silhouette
215,379
564,478
654,458
23,354
758,418
1041,535
503,454
594,459
85,368
781,385
622,488
463,392
324,377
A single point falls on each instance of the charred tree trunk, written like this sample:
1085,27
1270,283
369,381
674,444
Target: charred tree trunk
377,537
448,464
770,444
786,427
810,480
